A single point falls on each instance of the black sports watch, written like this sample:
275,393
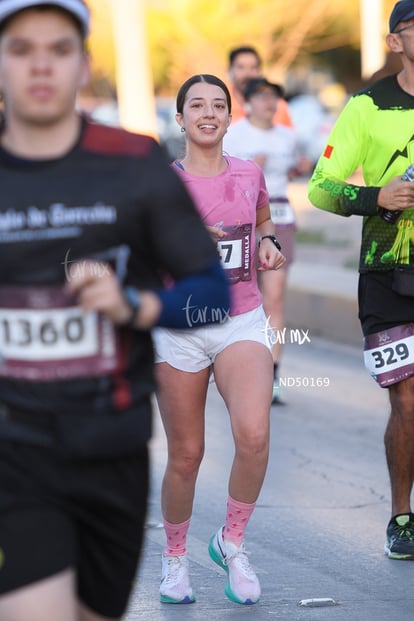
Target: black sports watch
133,299
274,240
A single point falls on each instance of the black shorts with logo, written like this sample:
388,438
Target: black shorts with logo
58,513
380,307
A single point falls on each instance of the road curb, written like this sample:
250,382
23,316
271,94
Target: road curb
322,300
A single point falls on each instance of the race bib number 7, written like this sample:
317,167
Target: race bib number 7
45,336
234,251
389,355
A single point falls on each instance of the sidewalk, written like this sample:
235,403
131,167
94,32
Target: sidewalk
323,280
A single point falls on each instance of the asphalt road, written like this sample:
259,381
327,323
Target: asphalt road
318,530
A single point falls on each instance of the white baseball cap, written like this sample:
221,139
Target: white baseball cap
77,8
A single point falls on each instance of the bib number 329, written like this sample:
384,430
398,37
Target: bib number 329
389,355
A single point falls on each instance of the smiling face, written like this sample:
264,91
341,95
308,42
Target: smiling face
42,66
205,114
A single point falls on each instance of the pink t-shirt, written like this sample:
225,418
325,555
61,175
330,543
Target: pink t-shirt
230,200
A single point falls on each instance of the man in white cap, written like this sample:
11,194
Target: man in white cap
91,217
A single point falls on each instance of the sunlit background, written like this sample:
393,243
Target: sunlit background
142,50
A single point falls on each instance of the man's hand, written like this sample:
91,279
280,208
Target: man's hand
98,289
397,195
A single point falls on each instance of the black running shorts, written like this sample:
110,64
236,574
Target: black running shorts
86,515
380,307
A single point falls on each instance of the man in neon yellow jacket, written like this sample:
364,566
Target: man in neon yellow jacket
375,132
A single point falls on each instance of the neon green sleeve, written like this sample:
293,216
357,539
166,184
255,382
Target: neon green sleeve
344,153
373,135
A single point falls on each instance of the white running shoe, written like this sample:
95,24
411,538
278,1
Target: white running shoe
243,586
175,585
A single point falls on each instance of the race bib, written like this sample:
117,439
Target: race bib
45,335
389,355
281,212
235,252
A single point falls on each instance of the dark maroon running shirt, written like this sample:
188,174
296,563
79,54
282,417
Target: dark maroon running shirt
114,198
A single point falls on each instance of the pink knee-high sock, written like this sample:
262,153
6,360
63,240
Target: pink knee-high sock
237,517
176,538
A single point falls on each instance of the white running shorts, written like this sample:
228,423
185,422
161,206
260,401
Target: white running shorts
196,349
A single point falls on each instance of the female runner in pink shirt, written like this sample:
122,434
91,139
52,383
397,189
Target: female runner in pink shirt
232,198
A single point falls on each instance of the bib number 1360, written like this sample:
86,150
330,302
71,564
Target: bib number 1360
23,332
42,335
46,336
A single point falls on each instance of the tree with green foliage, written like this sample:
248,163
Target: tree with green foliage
195,36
